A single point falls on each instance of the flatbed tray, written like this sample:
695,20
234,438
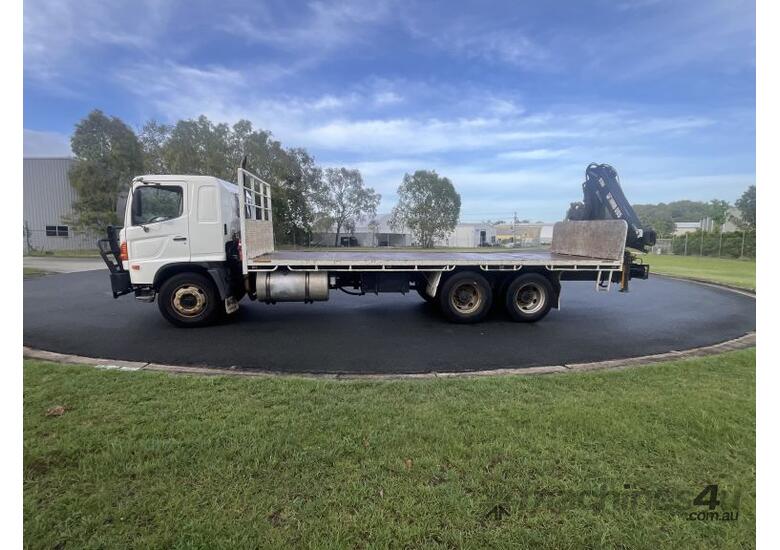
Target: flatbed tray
372,258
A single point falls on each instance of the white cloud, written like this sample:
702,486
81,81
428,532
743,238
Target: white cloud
46,144
387,98
61,36
350,124
532,154
319,28
476,38
512,47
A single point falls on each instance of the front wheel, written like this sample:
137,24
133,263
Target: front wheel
529,297
465,297
189,300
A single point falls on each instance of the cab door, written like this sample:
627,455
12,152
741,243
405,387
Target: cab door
207,236
158,231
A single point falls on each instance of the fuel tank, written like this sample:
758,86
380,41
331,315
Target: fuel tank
292,286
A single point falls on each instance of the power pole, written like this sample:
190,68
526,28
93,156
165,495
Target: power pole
514,229
742,250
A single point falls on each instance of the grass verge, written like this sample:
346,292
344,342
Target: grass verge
80,253
30,272
600,459
739,273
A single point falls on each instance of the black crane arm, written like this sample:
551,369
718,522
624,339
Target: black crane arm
603,199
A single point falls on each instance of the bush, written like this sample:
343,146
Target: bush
711,244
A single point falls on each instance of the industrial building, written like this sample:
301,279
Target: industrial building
733,215
48,197
375,231
524,234
470,235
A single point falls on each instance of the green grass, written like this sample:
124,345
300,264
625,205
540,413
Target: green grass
30,272
146,459
83,253
740,273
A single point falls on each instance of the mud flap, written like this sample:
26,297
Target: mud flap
231,305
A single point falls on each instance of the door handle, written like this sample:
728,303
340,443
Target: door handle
180,238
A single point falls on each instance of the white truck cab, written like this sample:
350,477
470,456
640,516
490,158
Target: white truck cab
176,225
170,219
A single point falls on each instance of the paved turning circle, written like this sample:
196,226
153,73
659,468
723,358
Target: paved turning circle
390,333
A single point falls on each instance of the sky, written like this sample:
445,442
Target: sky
509,100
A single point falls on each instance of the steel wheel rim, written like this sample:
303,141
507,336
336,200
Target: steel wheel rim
189,300
466,298
530,298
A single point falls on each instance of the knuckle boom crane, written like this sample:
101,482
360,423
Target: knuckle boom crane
603,199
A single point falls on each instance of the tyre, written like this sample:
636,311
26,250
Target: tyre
189,300
424,295
529,297
465,297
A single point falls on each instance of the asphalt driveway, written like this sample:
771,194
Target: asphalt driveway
75,313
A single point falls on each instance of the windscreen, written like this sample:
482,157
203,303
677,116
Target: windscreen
152,204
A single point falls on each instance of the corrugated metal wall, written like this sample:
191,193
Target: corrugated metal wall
48,197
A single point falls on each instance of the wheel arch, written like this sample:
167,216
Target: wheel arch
218,274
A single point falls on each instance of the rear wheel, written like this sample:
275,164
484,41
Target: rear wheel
465,297
529,297
189,300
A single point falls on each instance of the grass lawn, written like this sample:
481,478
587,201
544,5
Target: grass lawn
600,459
740,273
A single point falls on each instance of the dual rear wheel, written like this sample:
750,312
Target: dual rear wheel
467,297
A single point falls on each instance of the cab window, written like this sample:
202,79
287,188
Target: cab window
152,204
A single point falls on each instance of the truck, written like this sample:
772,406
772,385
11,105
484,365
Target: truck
198,245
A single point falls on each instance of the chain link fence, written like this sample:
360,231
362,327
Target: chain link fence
736,244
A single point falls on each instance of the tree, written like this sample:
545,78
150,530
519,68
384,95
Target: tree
108,156
301,192
153,138
662,217
346,199
199,147
747,208
428,205
718,213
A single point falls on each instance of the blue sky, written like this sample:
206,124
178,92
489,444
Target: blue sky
510,100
